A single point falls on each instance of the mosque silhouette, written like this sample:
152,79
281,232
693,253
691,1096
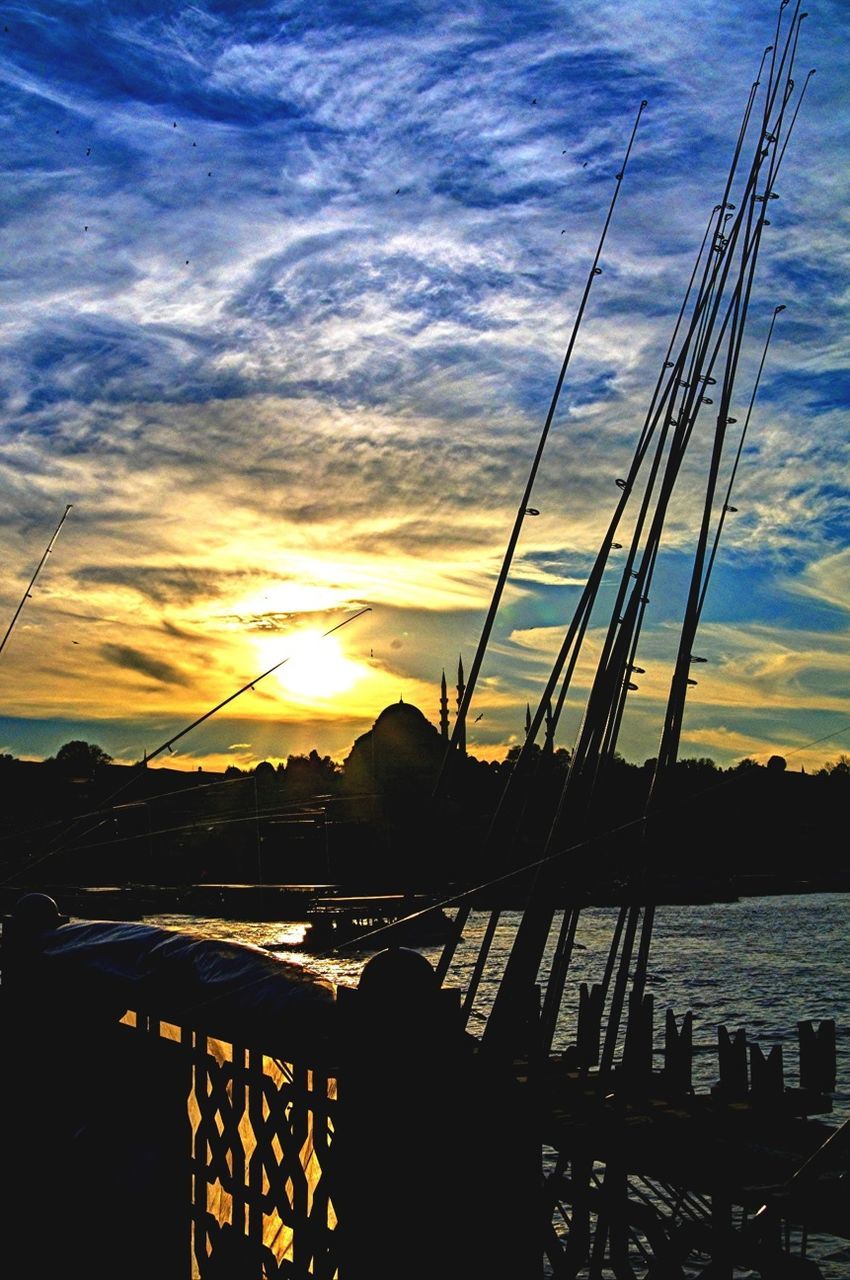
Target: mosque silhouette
403,751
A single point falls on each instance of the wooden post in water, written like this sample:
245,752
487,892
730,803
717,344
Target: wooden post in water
678,1053
817,1055
732,1055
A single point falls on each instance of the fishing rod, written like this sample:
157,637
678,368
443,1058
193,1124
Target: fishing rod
38,568
524,508
581,617
167,745
668,750
681,420
610,676
681,681
615,720
584,605
692,382
631,916
699,582
575,634
696,596
536,924
712,286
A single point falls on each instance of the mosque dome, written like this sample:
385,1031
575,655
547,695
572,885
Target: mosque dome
401,750
400,714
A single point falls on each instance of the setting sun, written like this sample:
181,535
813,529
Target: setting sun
317,667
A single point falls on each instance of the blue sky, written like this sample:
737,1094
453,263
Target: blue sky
286,293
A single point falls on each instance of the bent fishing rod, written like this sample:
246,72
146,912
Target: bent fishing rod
167,745
523,508
38,568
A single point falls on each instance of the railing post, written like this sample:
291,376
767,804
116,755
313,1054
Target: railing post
96,1132
437,1155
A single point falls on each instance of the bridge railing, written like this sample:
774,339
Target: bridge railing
201,1110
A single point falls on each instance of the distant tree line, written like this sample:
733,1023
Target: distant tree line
312,772
79,817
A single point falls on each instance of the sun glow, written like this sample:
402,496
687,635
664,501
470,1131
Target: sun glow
317,667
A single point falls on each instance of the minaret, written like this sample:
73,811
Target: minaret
549,740
444,708
461,687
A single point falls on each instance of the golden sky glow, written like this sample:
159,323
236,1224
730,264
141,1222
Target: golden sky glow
286,336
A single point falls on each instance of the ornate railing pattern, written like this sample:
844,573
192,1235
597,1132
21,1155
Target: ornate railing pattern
261,1146
261,1134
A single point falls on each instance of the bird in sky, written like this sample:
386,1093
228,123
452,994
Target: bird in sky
398,191
88,151
584,166
534,102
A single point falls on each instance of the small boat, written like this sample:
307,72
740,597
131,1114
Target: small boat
370,923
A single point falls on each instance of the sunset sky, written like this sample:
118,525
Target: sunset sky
287,289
